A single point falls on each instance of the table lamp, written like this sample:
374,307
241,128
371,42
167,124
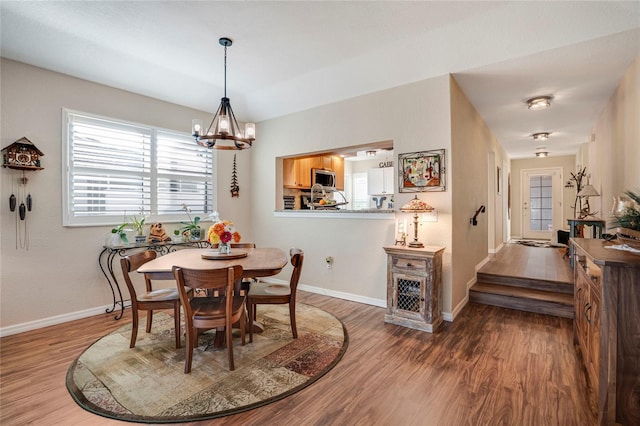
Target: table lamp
586,192
416,206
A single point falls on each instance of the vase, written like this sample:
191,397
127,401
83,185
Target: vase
224,248
194,234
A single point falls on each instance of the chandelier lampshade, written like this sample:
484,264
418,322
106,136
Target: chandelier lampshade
224,132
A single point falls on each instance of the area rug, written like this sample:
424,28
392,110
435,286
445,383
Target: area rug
147,384
533,243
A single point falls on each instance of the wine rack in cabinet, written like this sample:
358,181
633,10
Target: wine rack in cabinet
414,287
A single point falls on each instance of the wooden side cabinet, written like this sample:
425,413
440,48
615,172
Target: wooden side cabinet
414,287
607,327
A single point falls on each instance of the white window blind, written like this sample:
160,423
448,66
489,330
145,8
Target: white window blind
117,169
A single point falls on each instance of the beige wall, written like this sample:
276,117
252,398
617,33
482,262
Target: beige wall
418,120
614,150
567,163
475,156
59,274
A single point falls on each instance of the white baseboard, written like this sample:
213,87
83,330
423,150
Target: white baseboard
482,263
346,296
58,319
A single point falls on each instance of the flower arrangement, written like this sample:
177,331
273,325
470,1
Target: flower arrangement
223,232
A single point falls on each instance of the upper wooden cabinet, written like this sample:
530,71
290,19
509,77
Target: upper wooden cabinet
338,167
296,172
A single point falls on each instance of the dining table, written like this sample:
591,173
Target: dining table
255,262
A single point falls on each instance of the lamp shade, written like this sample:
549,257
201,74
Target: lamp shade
416,206
588,191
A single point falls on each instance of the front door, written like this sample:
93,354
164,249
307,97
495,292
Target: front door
542,202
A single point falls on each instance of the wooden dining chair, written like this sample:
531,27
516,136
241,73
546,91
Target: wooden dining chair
265,293
220,309
150,300
246,282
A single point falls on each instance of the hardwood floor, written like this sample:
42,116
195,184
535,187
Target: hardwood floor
492,366
532,279
530,262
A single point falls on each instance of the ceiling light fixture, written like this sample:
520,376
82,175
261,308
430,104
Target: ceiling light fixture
223,131
539,102
542,154
371,153
542,136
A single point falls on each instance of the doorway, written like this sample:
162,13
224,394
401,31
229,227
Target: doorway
541,202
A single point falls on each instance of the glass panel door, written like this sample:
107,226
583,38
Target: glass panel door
542,203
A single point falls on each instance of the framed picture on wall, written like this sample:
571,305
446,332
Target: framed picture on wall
422,171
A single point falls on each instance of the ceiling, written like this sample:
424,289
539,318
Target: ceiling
292,56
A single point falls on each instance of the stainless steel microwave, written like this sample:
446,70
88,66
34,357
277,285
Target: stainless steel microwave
326,178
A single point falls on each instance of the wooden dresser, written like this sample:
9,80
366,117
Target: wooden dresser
414,287
607,327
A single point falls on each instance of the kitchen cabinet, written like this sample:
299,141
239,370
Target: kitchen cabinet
380,181
296,172
607,327
414,287
337,165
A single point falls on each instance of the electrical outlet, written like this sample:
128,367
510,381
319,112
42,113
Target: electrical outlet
329,261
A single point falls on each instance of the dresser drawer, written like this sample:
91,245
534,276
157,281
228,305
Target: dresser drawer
402,264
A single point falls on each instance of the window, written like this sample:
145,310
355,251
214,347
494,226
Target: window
116,169
360,194
541,203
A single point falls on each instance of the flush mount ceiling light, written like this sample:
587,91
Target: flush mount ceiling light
371,153
542,154
539,102
543,136
223,131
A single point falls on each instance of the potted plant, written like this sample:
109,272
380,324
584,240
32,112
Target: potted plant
627,218
177,236
191,228
138,226
118,236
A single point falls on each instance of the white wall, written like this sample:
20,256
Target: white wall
415,117
59,274
475,156
614,151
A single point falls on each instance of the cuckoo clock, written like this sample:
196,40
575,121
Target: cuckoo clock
22,155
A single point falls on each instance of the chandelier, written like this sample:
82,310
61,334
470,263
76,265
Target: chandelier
224,132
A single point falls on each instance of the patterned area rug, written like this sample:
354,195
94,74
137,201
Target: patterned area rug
534,243
147,384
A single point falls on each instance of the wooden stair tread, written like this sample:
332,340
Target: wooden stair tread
526,282
504,290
